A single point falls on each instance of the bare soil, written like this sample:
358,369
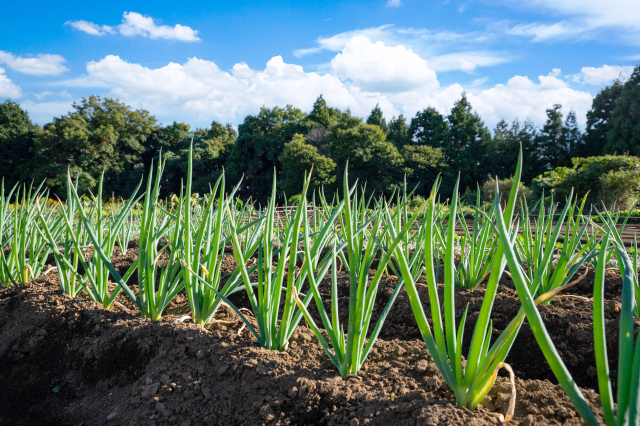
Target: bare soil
70,362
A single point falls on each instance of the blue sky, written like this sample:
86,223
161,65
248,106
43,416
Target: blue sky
223,60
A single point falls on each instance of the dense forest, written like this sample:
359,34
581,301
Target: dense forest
105,134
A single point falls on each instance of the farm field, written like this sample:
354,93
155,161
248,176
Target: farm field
116,363
365,311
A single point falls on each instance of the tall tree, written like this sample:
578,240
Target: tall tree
572,136
259,145
624,134
429,127
377,118
297,158
398,132
422,165
466,148
371,157
323,115
599,120
16,142
505,148
553,150
98,134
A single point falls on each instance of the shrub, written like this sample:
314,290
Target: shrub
489,189
609,179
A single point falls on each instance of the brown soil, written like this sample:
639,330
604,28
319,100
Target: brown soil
65,361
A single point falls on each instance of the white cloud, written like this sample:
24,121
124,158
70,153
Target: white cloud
363,74
601,75
444,50
547,32
394,3
41,64
48,94
598,13
583,19
91,28
7,88
134,23
466,61
200,88
419,40
522,98
375,67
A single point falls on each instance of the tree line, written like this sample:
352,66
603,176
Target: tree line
106,135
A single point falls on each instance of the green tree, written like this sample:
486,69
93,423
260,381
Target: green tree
377,118
429,127
211,148
609,179
624,134
466,147
553,151
297,158
599,120
505,148
572,137
16,142
98,134
322,115
259,145
372,159
422,164
398,132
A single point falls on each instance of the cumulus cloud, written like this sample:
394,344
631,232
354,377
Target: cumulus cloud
7,88
394,3
597,76
374,67
41,64
133,24
445,50
364,73
201,88
523,98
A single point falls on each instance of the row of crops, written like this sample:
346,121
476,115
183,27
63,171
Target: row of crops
284,260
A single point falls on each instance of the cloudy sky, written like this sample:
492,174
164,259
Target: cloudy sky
224,60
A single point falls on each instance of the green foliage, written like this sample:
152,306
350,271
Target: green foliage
211,148
371,157
99,134
297,158
377,118
429,127
467,148
398,132
624,134
16,140
260,143
551,141
614,180
422,164
504,185
505,147
599,120
572,138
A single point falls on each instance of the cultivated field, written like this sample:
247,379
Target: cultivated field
345,310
